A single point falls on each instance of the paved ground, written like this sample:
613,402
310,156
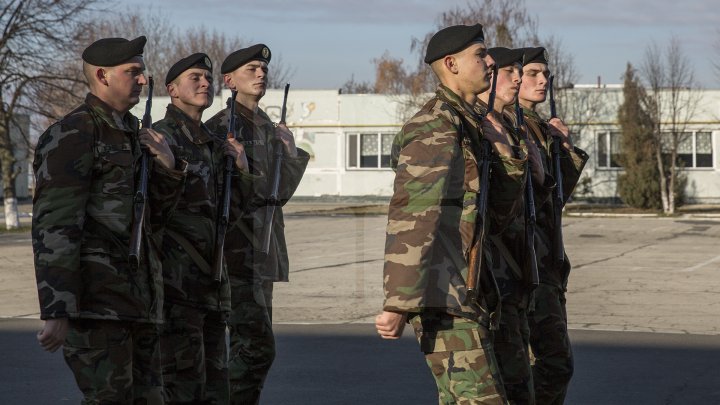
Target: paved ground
656,277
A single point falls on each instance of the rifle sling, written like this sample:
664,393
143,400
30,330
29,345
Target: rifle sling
191,251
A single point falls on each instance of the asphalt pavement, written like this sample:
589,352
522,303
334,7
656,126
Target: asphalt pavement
643,308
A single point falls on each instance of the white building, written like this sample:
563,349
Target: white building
349,138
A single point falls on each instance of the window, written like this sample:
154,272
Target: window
694,148
369,150
608,149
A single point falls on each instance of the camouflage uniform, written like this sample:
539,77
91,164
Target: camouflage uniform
510,264
252,344
196,306
85,168
431,223
549,339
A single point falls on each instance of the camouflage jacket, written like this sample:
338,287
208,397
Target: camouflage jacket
86,168
256,132
189,241
431,218
572,164
509,257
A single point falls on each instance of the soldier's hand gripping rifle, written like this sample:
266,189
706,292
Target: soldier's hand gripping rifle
483,155
558,197
274,199
530,216
140,198
223,219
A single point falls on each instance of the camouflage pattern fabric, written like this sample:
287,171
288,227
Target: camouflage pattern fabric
252,343
193,339
549,340
251,339
550,343
510,342
256,132
572,163
194,356
460,355
188,275
431,217
115,362
85,169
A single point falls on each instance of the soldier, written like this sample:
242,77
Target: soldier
194,353
432,220
509,253
549,339
104,311
252,273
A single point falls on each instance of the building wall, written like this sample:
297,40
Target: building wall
327,125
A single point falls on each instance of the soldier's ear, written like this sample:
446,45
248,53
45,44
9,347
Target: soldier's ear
228,81
102,75
450,63
172,89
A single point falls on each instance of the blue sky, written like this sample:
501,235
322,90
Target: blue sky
328,41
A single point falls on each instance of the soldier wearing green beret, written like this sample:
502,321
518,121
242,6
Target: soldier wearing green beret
433,217
104,311
549,340
252,273
510,258
194,353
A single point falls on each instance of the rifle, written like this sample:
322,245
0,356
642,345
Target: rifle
483,155
273,198
558,197
223,219
530,216
140,198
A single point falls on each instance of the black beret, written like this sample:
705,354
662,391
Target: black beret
199,60
113,51
452,40
535,55
245,55
505,56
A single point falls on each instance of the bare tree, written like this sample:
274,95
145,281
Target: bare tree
36,36
673,99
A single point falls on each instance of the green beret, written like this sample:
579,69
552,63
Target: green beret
452,40
198,60
505,56
113,51
535,55
242,56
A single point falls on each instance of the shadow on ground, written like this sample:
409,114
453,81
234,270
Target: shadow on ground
348,364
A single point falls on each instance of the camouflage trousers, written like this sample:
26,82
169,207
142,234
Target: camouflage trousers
115,362
550,343
460,356
511,349
252,343
194,356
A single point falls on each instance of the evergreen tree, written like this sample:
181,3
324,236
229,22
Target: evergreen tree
637,186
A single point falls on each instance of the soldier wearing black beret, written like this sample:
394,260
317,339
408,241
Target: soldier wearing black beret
508,252
196,306
549,340
427,279
252,344
104,312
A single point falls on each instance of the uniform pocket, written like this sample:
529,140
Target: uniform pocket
117,170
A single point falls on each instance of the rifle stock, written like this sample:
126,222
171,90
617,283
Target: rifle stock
483,156
224,212
274,197
558,195
140,198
